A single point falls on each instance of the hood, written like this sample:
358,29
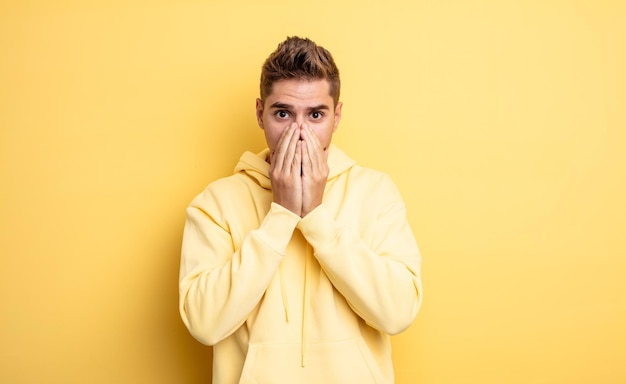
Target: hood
257,167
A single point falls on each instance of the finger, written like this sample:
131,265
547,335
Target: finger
306,159
314,147
275,155
292,151
310,136
282,147
298,158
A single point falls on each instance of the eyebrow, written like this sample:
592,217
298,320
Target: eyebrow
279,105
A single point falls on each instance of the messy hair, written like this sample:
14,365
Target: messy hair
300,59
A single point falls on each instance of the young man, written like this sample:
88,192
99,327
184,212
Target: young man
299,266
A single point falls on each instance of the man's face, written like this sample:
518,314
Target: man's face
305,102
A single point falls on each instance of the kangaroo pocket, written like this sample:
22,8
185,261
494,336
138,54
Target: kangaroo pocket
328,362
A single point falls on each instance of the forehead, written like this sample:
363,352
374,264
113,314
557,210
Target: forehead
300,92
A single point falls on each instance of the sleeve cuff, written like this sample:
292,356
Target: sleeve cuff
319,228
277,227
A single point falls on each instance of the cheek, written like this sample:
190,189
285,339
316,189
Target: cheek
324,134
272,136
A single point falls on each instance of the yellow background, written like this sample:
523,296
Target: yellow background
502,122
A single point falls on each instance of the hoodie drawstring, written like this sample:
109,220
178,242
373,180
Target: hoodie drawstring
305,301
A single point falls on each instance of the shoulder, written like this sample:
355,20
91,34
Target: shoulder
369,176
374,186
221,190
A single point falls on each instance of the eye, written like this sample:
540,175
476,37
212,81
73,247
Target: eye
281,114
317,115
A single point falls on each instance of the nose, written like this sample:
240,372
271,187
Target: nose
299,120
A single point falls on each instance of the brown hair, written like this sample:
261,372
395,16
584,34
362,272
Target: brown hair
300,59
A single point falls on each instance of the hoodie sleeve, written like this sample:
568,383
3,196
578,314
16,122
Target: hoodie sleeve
379,278
219,285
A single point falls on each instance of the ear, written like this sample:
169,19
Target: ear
337,115
259,112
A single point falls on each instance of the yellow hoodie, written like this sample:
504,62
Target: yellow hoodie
290,300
